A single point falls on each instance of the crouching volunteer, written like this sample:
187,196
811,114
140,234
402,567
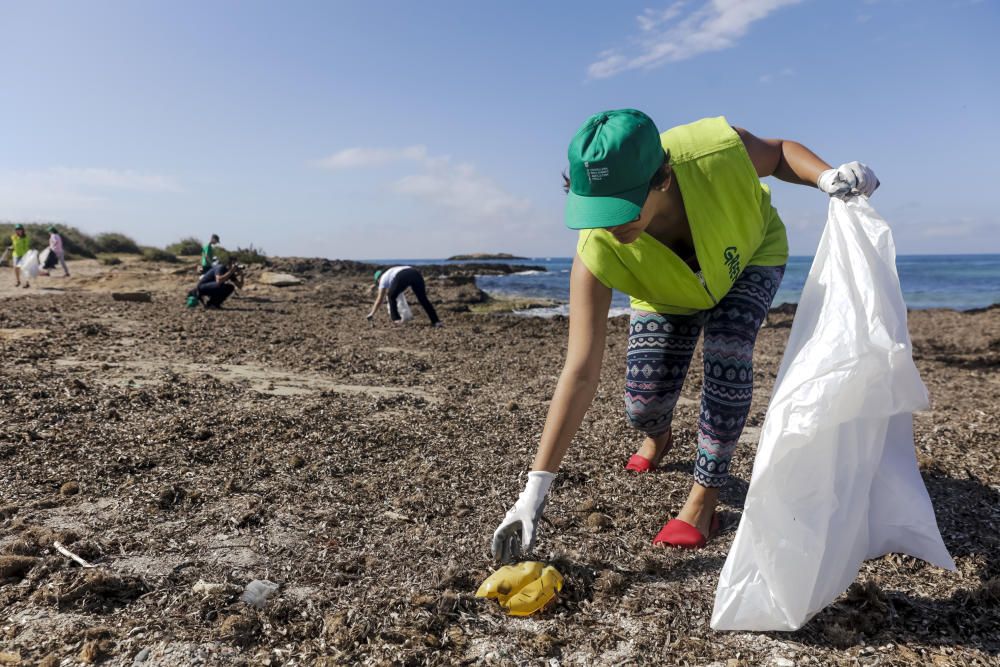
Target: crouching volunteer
682,224
217,284
394,281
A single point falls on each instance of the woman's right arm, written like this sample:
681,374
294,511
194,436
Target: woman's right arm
378,302
589,302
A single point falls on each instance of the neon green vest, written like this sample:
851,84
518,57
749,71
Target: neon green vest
732,223
20,245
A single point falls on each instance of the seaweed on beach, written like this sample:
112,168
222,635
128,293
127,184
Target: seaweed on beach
184,453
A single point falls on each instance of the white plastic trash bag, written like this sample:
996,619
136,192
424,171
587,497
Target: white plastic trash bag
835,480
402,307
29,265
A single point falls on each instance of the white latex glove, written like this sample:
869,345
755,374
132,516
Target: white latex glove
853,178
516,534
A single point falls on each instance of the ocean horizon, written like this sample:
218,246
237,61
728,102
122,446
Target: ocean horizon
957,282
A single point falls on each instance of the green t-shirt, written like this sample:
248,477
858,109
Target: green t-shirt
733,225
207,255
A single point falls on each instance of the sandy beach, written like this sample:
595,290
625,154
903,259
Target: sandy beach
186,452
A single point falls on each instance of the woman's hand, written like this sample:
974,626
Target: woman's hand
853,178
516,534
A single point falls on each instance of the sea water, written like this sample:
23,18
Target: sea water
960,282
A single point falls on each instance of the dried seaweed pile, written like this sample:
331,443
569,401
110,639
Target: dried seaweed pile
186,453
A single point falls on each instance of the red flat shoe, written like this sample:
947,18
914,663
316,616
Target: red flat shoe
681,534
639,463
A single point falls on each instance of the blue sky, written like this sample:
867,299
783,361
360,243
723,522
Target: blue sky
422,129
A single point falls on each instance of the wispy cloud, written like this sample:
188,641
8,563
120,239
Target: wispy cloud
109,179
350,158
439,181
461,189
770,77
34,192
684,30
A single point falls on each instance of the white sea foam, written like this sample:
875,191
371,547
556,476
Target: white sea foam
563,310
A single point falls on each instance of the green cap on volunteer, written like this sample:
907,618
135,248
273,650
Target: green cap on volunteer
611,160
18,226
377,274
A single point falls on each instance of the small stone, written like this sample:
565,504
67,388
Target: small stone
783,662
141,656
93,651
609,582
512,406
295,462
588,505
208,588
69,489
598,521
135,297
278,279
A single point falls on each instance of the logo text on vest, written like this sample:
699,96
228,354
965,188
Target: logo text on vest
732,257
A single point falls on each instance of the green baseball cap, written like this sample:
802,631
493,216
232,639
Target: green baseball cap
378,274
611,160
18,226
50,228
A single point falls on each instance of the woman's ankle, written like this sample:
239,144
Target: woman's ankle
654,447
700,507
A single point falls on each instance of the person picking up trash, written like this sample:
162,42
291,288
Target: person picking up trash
20,244
393,282
56,250
681,223
217,284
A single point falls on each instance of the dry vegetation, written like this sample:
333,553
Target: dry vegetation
187,452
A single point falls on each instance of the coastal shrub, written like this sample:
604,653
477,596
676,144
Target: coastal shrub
151,254
248,255
114,242
109,260
75,243
186,246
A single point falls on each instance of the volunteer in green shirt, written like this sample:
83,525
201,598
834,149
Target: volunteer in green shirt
20,244
681,223
208,253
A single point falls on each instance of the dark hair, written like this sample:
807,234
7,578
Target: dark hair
659,176
215,237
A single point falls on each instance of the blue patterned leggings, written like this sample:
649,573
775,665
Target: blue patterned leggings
660,348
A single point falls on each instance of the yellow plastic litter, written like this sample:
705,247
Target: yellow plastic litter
509,579
524,588
537,594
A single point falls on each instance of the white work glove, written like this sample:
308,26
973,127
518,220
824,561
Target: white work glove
516,534
853,178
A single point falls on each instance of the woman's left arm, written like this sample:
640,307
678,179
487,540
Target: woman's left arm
785,160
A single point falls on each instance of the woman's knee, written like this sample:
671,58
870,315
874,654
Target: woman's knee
650,414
